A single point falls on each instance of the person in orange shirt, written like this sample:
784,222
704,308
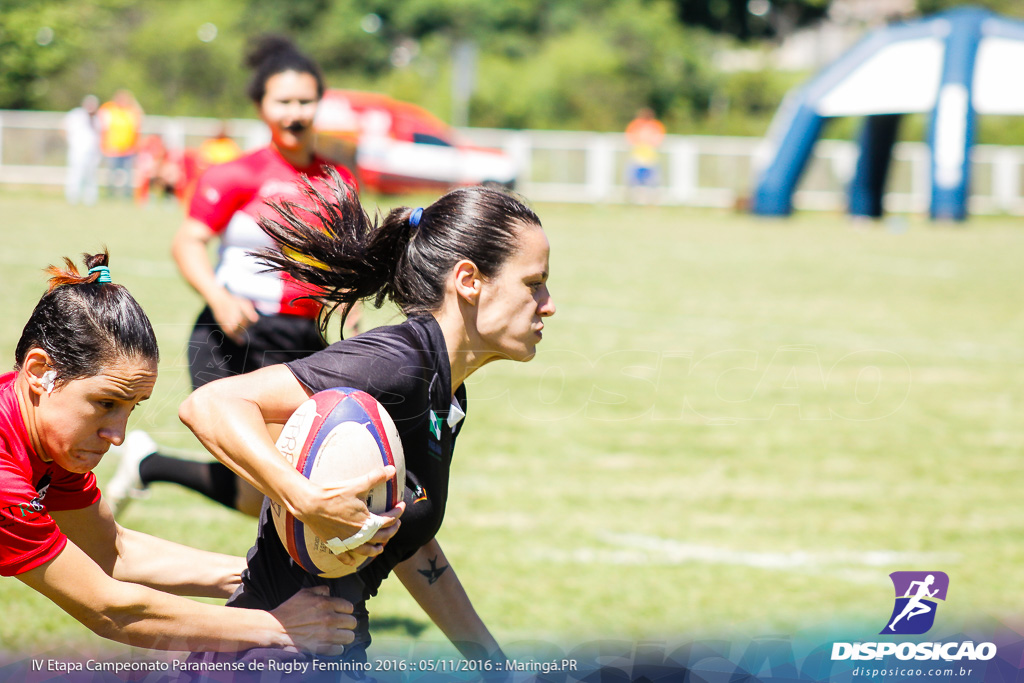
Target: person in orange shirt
120,124
218,149
644,135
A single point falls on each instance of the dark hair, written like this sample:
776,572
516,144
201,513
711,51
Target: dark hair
331,244
274,54
84,325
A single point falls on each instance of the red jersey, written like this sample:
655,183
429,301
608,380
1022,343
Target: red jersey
229,198
29,490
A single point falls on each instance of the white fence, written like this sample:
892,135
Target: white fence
33,149
589,167
719,171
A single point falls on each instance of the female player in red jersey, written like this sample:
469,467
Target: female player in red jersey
252,319
470,271
86,358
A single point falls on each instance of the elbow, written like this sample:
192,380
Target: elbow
104,626
194,408
187,410
207,410
111,623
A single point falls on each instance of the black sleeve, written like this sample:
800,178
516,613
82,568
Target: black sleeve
392,368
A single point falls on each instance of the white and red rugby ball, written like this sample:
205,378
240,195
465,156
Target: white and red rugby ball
337,434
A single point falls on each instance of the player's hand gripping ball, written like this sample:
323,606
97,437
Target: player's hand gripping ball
337,434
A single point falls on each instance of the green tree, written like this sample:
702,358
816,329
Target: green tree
1010,8
568,64
773,18
596,75
43,39
179,58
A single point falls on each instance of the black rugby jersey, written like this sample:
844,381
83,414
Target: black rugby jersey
406,368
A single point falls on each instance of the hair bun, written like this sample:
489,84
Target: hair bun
95,260
267,47
69,275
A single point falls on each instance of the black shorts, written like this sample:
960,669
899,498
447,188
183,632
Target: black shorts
270,340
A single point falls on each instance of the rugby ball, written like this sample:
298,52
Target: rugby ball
337,434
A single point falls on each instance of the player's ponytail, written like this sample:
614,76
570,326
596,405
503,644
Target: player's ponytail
331,244
85,322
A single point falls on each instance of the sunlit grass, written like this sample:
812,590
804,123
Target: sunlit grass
731,424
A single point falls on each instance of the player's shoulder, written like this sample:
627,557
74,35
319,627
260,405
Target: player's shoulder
254,161
395,352
10,413
326,164
15,469
239,177
392,359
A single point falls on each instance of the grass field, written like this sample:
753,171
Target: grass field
732,425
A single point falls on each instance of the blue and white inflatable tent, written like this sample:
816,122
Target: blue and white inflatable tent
954,66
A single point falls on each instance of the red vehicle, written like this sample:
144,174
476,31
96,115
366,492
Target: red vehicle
400,147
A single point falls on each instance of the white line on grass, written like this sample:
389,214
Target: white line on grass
636,549
712,328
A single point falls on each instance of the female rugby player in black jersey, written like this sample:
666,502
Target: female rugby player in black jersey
470,271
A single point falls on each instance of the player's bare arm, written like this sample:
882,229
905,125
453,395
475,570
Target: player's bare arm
232,313
229,418
430,579
133,556
140,616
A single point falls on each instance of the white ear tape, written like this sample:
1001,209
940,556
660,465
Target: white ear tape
49,377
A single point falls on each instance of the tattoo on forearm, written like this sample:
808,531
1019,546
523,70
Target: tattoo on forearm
434,573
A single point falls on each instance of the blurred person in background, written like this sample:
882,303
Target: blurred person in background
644,134
218,149
82,132
252,319
158,171
120,126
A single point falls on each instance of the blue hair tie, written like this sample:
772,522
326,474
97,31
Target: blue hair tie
104,272
415,216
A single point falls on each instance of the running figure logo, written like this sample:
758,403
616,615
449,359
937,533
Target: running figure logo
916,595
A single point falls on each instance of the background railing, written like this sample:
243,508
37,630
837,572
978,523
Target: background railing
588,167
